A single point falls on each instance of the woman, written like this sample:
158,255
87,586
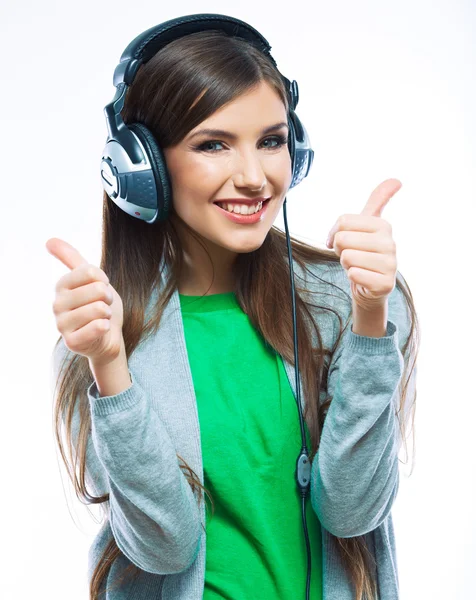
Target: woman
181,360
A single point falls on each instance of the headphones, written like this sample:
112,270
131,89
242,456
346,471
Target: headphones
134,172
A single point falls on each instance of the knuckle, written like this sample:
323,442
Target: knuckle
58,305
344,237
61,283
390,259
60,321
90,271
344,255
105,308
100,287
339,238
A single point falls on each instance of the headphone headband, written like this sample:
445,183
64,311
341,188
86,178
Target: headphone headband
148,43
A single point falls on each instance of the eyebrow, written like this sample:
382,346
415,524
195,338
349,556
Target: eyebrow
232,136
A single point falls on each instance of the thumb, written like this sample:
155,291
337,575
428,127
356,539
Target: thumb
64,252
380,197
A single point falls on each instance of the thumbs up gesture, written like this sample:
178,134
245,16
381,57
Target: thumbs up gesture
88,310
367,250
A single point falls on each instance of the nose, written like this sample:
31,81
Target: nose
250,172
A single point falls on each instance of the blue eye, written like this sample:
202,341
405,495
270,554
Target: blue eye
280,139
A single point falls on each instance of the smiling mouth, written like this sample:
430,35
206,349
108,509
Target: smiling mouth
242,209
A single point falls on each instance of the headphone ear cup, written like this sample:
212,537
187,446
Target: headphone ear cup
159,169
300,149
292,143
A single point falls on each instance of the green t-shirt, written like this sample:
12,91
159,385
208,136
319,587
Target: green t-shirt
250,437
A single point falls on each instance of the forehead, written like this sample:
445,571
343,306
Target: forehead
259,110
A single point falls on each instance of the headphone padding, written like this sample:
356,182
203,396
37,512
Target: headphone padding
159,168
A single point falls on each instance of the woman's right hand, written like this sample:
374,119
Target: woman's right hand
88,310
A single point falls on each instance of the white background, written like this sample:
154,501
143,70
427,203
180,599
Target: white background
387,89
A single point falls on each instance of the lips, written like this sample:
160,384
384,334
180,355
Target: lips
240,219
242,200
218,202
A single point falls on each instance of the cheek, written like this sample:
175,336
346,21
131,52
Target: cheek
183,178
282,170
199,163
196,178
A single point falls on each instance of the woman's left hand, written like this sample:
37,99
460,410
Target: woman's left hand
367,250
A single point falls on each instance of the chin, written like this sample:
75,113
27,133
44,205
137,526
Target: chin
246,248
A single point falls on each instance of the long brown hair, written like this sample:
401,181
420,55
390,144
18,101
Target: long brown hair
162,97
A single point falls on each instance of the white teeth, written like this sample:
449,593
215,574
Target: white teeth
243,209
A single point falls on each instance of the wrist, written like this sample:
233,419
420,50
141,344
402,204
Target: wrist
113,377
370,322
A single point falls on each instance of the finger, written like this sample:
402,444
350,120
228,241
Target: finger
353,223
70,296
87,293
71,320
64,252
380,197
370,261
363,240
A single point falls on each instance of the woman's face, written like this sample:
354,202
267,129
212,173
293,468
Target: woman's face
246,163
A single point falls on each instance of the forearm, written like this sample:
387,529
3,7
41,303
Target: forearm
154,515
113,378
355,473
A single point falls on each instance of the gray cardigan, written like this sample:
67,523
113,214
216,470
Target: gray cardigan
153,513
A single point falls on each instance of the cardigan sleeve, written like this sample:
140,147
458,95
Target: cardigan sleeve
153,514
355,474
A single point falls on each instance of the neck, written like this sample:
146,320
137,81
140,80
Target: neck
205,272
192,284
